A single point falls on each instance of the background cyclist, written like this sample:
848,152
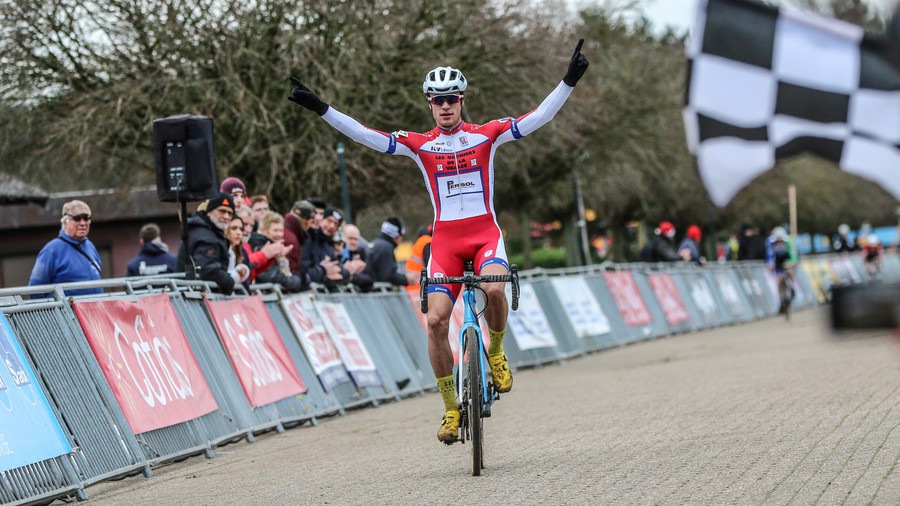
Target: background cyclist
781,257
456,161
872,253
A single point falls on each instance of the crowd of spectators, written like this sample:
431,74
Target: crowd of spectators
234,239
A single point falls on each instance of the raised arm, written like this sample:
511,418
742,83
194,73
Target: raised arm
348,126
539,117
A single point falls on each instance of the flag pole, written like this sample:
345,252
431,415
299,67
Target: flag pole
792,209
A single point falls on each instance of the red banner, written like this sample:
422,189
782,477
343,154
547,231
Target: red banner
670,300
256,350
147,361
628,298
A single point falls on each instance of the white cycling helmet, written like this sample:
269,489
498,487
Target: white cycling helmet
843,229
779,234
444,81
874,240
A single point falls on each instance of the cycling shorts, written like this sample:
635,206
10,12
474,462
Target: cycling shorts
454,242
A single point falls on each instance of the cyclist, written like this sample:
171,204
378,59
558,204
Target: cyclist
872,252
456,159
781,257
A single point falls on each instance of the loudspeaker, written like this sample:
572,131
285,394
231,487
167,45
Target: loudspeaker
184,152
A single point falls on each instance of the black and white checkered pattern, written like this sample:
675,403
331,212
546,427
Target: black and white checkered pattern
766,83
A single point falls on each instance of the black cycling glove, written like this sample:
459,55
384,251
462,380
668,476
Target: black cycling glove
305,97
577,65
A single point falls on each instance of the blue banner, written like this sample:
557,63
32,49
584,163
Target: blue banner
29,430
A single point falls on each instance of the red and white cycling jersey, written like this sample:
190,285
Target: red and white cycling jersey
458,169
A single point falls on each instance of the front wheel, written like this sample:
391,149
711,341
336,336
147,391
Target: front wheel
473,374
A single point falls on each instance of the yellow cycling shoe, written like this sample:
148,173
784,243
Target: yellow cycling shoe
500,372
449,432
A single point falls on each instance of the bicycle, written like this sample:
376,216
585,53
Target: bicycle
474,388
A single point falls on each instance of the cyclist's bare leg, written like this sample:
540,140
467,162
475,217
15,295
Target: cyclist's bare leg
496,314
439,308
498,308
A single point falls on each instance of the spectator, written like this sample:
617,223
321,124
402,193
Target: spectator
205,256
660,249
844,244
70,256
751,245
689,250
236,188
154,257
260,206
320,206
237,262
271,230
382,264
731,248
419,255
255,258
353,259
297,223
319,261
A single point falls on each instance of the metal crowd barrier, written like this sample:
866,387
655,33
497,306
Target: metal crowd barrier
578,311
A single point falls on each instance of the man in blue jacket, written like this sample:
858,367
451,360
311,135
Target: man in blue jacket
70,256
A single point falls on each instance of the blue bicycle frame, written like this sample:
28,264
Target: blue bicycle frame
470,321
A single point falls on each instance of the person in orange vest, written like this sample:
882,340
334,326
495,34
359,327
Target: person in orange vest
418,256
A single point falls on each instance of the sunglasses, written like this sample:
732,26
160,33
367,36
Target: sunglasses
442,99
81,217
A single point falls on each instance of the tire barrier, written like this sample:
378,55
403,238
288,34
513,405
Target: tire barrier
158,369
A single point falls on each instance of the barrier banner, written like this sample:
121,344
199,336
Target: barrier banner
315,341
147,361
628,298
663,286
581,307
729,292
529,324
29,430
349,344
702,296
256,350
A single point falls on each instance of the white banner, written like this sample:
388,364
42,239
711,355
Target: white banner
348,343
323,356
582,309
529,324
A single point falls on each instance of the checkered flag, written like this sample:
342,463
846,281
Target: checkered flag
766,83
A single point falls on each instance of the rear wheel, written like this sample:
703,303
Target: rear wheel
473,374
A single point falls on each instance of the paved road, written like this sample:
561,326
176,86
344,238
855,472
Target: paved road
765,413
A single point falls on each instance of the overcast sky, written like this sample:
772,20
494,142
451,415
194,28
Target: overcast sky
680,13
677,13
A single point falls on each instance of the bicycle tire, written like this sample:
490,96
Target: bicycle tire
473,373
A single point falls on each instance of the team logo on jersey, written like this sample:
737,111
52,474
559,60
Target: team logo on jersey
400,133
488,253
464,141
473,162
440,166
504,120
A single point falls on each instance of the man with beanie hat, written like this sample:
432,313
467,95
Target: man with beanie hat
70,256
206,254
689,249
660,249
381,263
